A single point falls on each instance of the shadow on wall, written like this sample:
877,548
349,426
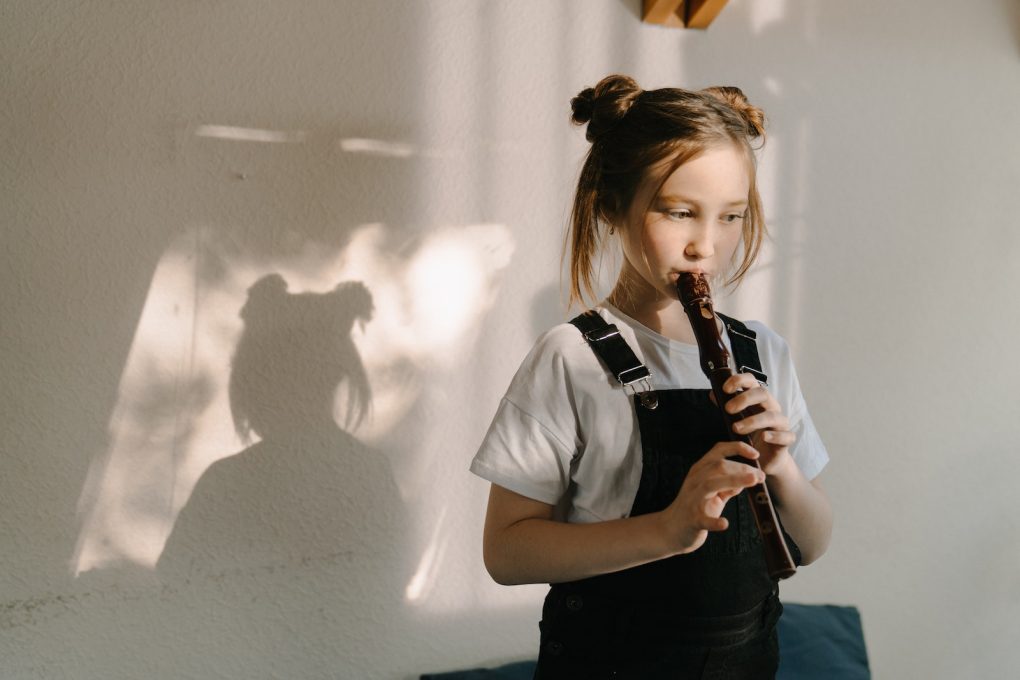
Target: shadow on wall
1012,9
190,165
283,536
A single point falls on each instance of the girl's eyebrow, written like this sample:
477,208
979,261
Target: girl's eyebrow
676,198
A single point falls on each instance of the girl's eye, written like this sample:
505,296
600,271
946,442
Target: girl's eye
734,217
680,214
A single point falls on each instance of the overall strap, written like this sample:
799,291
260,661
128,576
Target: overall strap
609,346
745,349
616,355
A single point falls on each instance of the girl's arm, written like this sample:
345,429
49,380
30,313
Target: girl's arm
802,504
804,508
523,544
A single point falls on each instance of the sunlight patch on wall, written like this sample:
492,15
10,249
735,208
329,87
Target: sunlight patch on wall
754,297
173,419
448,271
773,289
428,303
764,14
170,417
242,134
427,573
801,186
377,147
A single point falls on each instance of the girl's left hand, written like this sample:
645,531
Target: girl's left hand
769,430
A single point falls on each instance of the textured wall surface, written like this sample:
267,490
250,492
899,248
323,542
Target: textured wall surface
215,213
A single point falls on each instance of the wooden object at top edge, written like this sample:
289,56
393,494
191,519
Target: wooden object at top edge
681,13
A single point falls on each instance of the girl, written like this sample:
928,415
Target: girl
632,512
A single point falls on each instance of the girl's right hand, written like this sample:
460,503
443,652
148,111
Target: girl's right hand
710,482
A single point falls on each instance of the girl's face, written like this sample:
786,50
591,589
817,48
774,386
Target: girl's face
693,224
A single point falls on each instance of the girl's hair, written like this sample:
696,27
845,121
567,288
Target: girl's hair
632,133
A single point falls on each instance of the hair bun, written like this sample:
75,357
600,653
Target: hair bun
735,99
582,105
604,105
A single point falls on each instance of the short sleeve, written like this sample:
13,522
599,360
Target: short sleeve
521,454
808,450
532,441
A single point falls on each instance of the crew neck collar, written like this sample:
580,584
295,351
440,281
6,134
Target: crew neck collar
654,336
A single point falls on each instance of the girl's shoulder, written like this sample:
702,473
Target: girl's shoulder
764,334
562,355
770,342
777,363
563,344
565,337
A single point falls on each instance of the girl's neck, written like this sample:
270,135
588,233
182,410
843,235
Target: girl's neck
651,308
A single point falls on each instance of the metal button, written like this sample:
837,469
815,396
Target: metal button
575,603
650,400
554,648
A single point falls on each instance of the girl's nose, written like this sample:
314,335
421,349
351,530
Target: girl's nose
700,245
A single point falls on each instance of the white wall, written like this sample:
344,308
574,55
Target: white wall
132,228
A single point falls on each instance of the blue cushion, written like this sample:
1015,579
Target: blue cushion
821,641
522,670
815,641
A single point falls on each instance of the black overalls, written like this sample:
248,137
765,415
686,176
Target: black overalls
707,614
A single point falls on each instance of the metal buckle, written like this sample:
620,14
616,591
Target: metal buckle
759,376
606,333
751,337
639,367
647,395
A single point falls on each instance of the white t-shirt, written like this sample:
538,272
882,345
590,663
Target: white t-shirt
566,432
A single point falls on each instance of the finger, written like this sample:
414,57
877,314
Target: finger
750,397
727,494
724,450
735,384
740,381
766,420
779,437
734,481
713,523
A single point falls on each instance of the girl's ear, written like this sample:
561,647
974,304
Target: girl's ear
612,207
610,213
